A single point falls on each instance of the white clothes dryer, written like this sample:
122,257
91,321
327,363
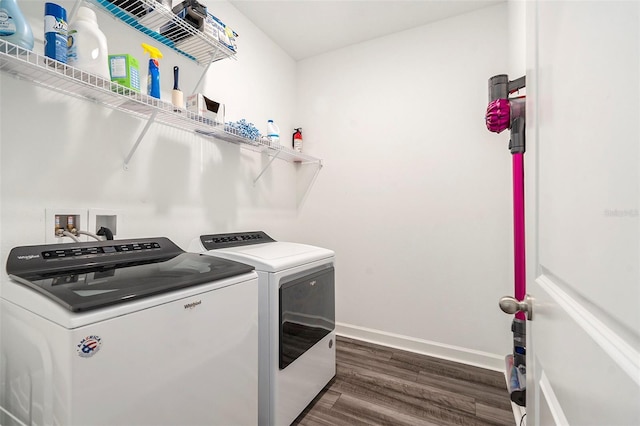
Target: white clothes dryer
127,332
296,284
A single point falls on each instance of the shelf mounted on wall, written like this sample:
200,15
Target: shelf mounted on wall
46,72
147,17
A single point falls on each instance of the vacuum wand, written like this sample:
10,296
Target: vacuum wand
509,113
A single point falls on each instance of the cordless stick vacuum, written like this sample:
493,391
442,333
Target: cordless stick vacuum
509,113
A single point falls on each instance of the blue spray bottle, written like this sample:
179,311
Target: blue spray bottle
153,79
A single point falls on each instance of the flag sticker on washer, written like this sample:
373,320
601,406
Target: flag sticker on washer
89,346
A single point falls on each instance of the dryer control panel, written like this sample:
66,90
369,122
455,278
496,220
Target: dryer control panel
218,241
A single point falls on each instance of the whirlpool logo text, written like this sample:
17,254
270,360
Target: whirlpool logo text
29,256
193,304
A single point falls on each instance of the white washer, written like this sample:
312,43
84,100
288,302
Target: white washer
127,332
297,355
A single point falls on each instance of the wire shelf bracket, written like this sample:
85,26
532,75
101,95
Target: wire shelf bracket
266,167
140,137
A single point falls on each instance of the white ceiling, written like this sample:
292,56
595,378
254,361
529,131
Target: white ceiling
305,28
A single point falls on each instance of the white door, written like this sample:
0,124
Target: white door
583,185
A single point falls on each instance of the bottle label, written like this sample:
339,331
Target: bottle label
7,25
53,24
118,67
72,48
55,38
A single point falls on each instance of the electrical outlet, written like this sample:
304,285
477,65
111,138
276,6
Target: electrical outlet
59,220
99,218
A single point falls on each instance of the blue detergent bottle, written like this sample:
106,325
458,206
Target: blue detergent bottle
13,27
55,32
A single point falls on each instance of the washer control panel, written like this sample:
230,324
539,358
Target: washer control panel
53,257
81,251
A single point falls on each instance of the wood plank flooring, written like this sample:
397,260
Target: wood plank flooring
376,385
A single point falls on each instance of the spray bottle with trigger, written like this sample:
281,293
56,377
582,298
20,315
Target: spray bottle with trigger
296,142
153,78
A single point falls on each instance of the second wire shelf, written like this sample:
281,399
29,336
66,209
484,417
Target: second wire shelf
148,16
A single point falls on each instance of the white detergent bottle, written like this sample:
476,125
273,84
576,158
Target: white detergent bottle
273,132
87,44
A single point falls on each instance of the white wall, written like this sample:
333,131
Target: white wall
415,193
517,40
63,152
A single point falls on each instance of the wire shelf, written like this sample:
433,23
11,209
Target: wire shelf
46,72
160,23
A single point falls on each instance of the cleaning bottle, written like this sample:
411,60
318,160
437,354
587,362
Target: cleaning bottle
273,132
153,79
87,44
55,32
13,27
296,143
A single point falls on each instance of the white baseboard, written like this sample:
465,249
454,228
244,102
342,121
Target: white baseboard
519,414
518,411
439,350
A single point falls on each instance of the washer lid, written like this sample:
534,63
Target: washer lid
275,256
85,276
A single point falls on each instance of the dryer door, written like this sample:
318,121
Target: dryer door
307,313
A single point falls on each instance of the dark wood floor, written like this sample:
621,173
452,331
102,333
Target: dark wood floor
376,385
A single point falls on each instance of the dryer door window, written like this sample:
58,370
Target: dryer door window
307,313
